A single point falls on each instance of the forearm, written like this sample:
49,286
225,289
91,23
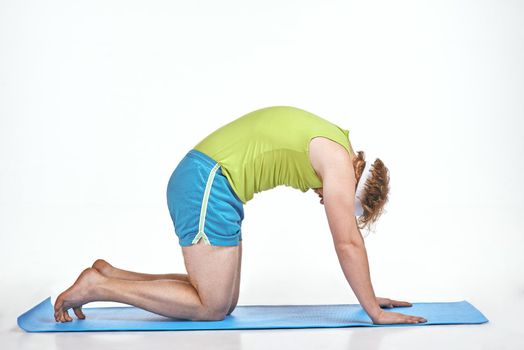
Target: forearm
354,262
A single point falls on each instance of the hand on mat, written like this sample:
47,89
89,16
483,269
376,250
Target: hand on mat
389,303
390,317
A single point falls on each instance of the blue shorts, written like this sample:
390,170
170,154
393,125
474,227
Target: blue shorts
202,203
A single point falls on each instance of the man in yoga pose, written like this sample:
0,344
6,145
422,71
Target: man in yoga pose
272,146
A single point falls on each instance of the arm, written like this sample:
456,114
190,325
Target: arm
333,165
339,193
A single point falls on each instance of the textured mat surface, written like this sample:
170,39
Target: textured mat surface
41,317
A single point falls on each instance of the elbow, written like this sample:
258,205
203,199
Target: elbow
350,245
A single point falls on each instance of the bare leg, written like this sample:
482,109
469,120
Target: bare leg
207,296
109,270
236,291
171,298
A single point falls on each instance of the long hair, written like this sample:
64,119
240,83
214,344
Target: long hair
376,190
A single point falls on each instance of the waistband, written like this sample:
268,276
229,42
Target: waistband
202,157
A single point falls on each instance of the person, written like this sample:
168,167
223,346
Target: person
272,146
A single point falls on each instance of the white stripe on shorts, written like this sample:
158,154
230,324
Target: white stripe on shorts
203,209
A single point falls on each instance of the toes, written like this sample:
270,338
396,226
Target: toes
63,315
79,313
60,316
57,315
67,317
58,308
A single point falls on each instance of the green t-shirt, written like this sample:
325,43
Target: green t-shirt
269,147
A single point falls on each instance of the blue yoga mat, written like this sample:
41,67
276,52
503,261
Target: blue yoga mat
41,317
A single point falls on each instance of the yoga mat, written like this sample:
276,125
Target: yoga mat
41,317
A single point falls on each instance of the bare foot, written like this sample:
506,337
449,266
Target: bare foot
80,293
103,267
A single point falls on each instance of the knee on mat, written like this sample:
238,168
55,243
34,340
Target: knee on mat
231,309
212,314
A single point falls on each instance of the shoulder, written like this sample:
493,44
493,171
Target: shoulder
326,156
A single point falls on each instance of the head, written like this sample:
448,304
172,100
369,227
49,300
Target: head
376,189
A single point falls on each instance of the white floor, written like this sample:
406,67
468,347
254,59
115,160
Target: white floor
504,309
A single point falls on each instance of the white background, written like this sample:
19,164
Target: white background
99,101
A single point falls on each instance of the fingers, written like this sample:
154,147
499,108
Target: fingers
400,303
384,302
403,318
414,319
407,319
390,303
411,319
389,317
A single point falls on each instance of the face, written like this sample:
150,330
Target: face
320,194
